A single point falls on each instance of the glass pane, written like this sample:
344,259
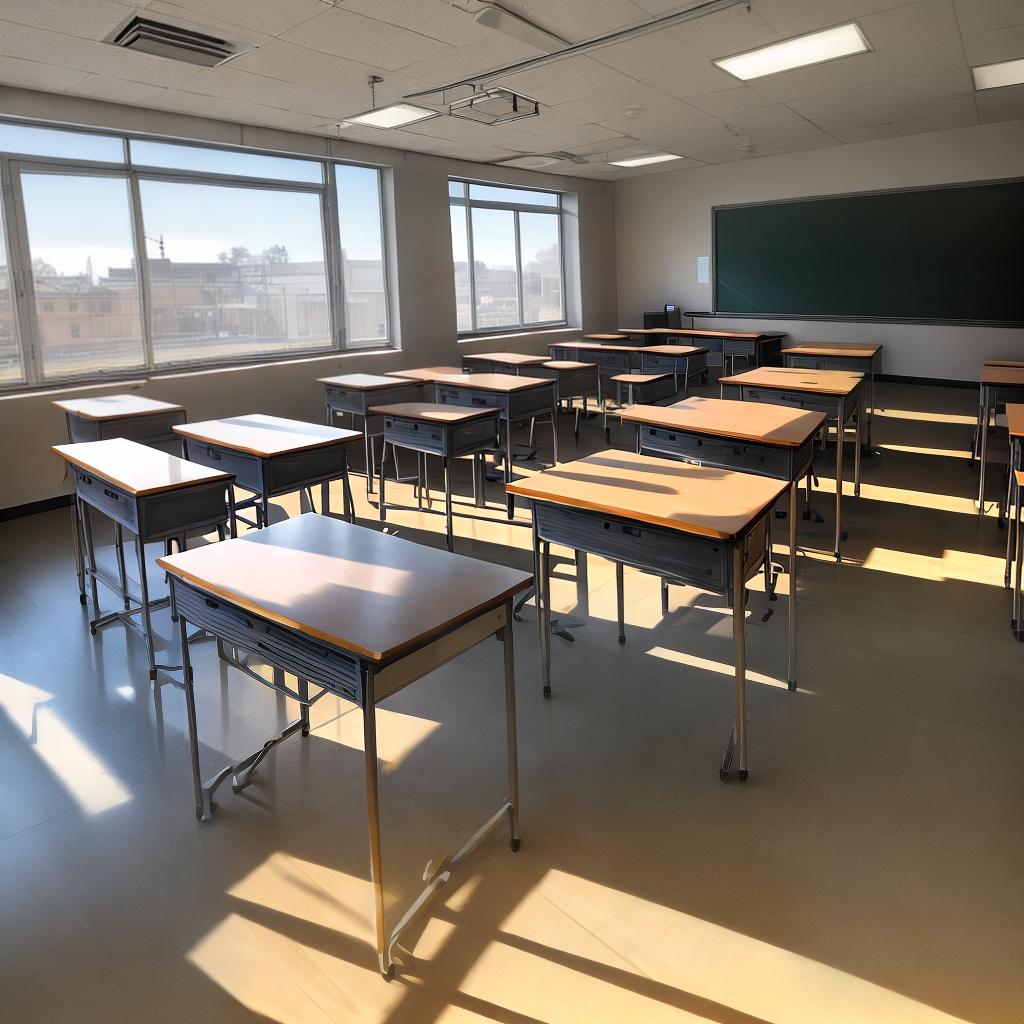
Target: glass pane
10,362
83,269
460,259
224,161
494,269
499,194
234,272
457,189
19,138
362,253
541,260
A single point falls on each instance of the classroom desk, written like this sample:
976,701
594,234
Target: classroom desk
353,393
1014,498
447,431
1017,614
130,416
686,361
638,389
363,616
605,338
767,440
827,355
610,359
573,379
999,384
271,456
837,393
699,526
428,376
151,494
764,348
500,362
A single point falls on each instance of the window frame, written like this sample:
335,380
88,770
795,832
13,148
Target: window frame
18,251
469,204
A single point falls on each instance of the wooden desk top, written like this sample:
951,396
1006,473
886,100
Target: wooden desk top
1003,362
505,358
365,381
821,382
640,378
433,413
700,500
698,332
673,350
594,346
498,383
741,421
1007,376
267,436
604,337
116,407
567,364
427,374
363,591
137,468
834,348
1015,419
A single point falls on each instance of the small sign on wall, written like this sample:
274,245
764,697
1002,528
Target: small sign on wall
703,269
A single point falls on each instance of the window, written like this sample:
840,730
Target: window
83,259
132,254
234,272
507,256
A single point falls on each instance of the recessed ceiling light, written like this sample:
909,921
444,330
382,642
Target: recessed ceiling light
396,116
994,76
797,53
640,161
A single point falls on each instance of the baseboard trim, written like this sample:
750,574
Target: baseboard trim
34,507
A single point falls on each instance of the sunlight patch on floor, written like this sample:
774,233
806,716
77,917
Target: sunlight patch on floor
927,417
968,566
397,734
83,773
718,667
899,496
913,449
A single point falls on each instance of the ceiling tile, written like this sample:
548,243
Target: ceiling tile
993,114
438,19
829,103
549,120
567,80
997,45
576,20
947,106
763,117
919,22
627,108
570,139
821,141
458,62
728,101
1004,97
866,134
647,55
354,37
937,124
786,132
849,119
684,82
268,17
90,19
733,30
922,87
695,129
981,15
722,151
798,17
472,133
31,74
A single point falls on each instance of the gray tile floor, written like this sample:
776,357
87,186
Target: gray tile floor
871,869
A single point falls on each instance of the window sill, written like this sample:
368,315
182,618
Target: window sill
512,336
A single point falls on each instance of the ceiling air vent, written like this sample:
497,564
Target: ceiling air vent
146,36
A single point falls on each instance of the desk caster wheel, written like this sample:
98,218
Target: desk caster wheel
547,691
199,814
305,732
389,974
743,774
82,599
92,630
838,557
723,774
514,845
622,639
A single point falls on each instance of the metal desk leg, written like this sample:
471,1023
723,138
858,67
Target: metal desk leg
122,572
510,501
1018,604
90,551
737,748
368,453
983,444
976,446
839,481
348,503
76,533
1012,498
554,433
448,530
620,600
543,599
871,386
204,803
512,757
140,550
794,497
387,969
325,498
582,583
856,456
382,505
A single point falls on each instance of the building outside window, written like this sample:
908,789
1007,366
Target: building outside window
507,256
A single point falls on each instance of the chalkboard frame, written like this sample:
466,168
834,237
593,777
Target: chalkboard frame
717,311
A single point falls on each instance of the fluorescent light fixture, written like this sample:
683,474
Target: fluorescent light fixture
642,161
492,16
995,76
797,53
398,115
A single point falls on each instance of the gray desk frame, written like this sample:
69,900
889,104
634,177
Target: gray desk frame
858,364
355,402
727,347
837,408
167,516
991,396
609,361
658,362
269,476
569,384
717,566
762,458
362,681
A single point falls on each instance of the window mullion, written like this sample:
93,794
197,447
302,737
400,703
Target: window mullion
142,262
519,273
471,268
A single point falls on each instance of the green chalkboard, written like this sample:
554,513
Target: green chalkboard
946,254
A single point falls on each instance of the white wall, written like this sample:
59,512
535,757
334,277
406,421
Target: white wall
422,288
663,223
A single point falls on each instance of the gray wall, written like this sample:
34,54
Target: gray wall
422,285
663,223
